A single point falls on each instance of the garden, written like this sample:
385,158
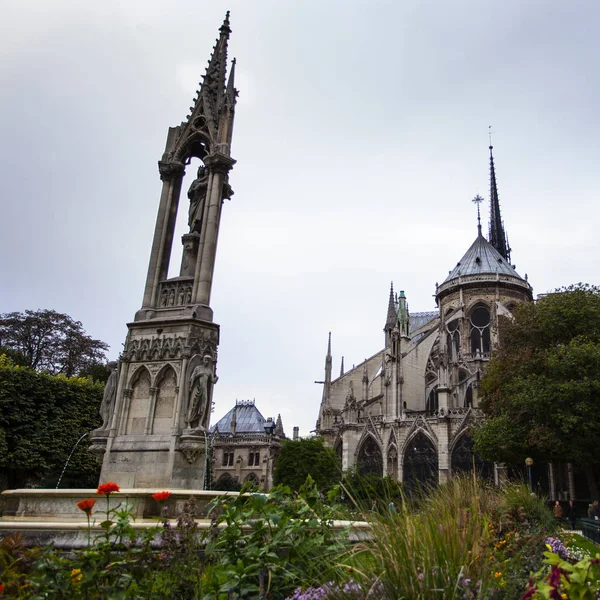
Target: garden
461,540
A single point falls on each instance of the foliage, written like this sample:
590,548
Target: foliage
270,544
363,490
41,418
541,389
50,341
16,560
561,579
297,459
462,540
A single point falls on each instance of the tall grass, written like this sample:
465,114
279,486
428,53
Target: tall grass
441,544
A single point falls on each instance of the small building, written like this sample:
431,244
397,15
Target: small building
244,447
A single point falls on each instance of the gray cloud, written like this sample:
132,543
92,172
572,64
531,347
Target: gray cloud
361,136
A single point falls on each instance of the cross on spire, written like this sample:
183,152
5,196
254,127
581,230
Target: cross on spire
478,200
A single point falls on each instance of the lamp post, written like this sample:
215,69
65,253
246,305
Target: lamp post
269,427
529,463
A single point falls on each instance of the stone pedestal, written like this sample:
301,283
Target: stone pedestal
147,444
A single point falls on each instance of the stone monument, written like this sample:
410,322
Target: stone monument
156,411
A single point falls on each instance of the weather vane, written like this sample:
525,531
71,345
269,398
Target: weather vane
478,200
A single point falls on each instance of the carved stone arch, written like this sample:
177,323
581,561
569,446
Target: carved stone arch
420,461
421,423
162,371
139,401
136,373
426,431
167,387
369,456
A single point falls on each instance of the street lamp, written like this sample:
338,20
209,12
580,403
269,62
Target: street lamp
529,463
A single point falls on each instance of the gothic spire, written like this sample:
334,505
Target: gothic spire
497,235
212,86
403,315
392,317
342,368
327,382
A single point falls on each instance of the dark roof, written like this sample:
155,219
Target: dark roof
248,420
418,319
481,258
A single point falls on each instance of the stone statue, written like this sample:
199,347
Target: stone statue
197,196
202,381
110,393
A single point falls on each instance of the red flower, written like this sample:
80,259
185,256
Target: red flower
1,589
107,488
161,496
86,505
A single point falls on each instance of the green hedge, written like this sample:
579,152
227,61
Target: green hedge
41,418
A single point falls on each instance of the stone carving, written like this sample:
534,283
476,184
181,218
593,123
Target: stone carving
191,454
197,195
170,170
169,347
110,393
202,381
175,293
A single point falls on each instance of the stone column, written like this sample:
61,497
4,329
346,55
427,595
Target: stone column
218,165
171,174
180,396
119,401
151,407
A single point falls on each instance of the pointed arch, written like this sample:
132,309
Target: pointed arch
420,464
139,403
166,396
369,457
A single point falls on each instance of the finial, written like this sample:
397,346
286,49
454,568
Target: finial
478,200
490,136
342,368
329,345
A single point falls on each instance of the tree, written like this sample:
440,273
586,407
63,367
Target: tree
41,418
297,459
50,341
541,391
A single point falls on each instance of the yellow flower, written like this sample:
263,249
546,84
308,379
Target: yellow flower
564,597
76,576
497,574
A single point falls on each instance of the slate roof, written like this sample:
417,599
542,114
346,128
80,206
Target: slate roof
417,320
248,420
481,258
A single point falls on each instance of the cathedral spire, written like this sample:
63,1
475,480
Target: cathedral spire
328,362
497,235
392,316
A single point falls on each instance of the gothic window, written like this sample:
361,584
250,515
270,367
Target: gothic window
251,459
254,459
431,405
463,459
420,463
453,340
370,459
469,397
228,459
480,329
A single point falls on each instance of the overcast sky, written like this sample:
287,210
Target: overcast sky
361,137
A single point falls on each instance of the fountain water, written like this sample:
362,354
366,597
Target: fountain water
69,458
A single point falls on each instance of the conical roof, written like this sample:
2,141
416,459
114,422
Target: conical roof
248,420
481,258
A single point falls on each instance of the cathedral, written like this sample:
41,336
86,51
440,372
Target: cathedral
408,411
